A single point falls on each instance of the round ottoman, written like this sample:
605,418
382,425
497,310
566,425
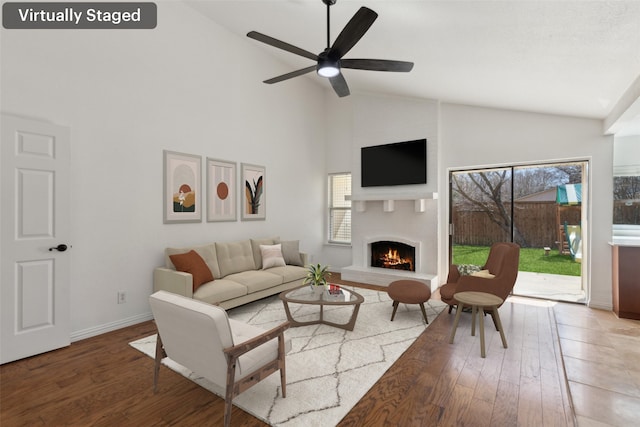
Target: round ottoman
409,292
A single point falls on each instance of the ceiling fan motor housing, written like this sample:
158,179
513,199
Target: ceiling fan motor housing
328,65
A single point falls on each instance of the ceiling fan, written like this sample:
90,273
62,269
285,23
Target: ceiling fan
330,61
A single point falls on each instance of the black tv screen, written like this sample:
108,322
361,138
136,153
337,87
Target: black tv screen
401,163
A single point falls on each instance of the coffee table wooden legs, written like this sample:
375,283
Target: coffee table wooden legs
321,320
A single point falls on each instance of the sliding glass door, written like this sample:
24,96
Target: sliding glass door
537,206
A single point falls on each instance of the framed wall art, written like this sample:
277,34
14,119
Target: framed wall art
221,190
182,182
253,192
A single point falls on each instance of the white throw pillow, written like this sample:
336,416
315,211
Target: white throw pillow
483,273
272,256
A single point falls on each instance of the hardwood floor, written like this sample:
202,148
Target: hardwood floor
442,384
601,354
102,381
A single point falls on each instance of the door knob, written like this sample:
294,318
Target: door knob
61,247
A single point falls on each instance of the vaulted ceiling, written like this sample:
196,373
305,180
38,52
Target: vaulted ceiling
563,57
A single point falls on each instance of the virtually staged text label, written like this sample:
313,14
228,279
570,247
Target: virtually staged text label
79,15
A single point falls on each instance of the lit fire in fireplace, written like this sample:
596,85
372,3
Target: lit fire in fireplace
392,255
392,259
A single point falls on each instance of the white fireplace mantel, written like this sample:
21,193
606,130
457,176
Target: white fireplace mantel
388,200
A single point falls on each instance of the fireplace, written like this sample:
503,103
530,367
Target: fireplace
374,264
393,255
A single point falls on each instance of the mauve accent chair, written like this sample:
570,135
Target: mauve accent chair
502,263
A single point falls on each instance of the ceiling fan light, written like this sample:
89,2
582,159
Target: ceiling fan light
328,70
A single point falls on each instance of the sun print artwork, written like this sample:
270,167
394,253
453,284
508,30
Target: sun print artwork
184,200
221,201
181,187
222,191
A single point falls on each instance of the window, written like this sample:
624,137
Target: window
626,201
626,187
339,208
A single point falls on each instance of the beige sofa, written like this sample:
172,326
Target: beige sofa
237,271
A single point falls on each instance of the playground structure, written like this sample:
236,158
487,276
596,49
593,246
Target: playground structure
568,199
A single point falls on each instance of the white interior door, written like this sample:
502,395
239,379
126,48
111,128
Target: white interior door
34,219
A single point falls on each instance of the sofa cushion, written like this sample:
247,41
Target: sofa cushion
291,252
207,252
234,257
289,273
255,247
220,290
256,280
271,256
193,263
259,356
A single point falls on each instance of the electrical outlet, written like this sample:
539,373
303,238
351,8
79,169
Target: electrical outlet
122,297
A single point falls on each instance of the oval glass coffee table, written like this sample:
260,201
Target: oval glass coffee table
305,295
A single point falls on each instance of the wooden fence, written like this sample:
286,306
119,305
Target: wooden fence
626,212
536,224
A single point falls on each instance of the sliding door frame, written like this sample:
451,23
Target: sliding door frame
586,181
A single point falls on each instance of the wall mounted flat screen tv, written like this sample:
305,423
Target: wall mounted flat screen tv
400,163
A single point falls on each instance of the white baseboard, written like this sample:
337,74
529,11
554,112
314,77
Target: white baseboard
600,305
108,327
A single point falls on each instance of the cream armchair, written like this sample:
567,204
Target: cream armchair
231,354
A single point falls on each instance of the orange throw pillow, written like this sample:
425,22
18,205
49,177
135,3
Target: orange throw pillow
193,263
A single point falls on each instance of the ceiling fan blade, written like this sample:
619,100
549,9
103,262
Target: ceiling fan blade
281,45
377,65
353,31
339,85
291,75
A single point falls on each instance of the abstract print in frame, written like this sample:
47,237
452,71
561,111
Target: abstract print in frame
221,190
182,181
253,192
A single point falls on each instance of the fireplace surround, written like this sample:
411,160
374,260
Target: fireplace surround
408,217
397,268
395,251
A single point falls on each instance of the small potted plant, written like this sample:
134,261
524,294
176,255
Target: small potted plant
317,277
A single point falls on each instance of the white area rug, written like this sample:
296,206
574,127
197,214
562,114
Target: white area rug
328,369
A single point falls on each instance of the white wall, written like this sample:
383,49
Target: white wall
626,155
474,136
127,95
339,125
380,119
370,119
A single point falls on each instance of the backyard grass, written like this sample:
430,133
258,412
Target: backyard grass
531,259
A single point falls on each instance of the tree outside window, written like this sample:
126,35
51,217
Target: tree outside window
626,200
